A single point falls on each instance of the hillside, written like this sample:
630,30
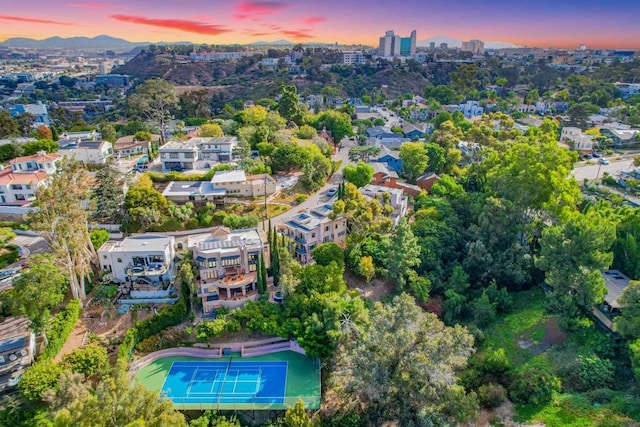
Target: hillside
246,80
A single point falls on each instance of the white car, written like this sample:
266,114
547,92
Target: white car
604,161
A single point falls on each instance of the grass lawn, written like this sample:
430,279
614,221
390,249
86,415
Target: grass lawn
524,335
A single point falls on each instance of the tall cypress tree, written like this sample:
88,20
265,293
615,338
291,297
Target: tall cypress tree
262,285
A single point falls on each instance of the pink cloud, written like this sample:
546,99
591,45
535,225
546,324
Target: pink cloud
298,34
33,20
248,9
312,20
176,24
89,5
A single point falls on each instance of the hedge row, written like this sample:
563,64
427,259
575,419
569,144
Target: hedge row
61,328
168,316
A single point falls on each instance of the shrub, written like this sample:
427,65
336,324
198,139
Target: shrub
534,386
91,361
491,395
10,257
210,329
219,216
300,198
39,378
601,395
595,372
60,329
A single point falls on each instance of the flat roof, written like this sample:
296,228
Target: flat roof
139,243
192,188
221,177
234,240
616,282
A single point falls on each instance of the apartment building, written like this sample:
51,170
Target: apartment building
19,182
353,57
310,228
145,261
227,262
476,47
236,183
179,155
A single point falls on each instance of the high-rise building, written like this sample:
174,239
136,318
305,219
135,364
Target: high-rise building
474,46
432,45
444,45
393,45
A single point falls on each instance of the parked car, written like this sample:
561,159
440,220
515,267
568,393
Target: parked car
587,156
604,161
595,155
332,192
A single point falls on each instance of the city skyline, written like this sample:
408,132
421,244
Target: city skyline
542,24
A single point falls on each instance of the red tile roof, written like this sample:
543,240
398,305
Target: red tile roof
38,158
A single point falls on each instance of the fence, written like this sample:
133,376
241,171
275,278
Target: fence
261,403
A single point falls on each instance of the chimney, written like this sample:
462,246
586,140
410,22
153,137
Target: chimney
41,153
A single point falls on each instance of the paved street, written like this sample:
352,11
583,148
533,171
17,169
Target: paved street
320,196
584,170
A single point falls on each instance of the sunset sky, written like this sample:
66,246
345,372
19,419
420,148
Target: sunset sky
558,23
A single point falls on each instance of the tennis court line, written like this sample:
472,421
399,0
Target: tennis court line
167,379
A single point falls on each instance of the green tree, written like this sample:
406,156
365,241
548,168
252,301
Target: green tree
339,124
108,132
367,269
39,378
437,157
195,103
255,115
8,126
210,130
573,255
91,361
212,419
404,254
534,386
108,194
414,159
306,132
326,253
289,105
143,135
99,237
32,147
442,93
297,416
117,401
384,369
360,175
37,290
628,322
155,100
63,222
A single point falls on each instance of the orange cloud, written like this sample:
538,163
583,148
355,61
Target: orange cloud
298,34
89,5
33,20
176,24
312,20
248,9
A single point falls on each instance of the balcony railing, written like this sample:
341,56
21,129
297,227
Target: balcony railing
300,240
145,270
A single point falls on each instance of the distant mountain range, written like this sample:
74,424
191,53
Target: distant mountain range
274,43
98,42
453,42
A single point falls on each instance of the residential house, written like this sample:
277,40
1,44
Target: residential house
376,131
526,109
90,135
236,183
427,180
19,182
622,136
179,155
396,199
412,131
578,140
87,152
127,146
215,150
390,158
628,89
470,151
385,177
38,111
227,261
615,282
471,109
145,262
311,228
17,350
223,184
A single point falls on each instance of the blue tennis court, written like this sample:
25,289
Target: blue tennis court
230,382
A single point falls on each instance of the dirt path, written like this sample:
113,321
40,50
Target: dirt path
75,339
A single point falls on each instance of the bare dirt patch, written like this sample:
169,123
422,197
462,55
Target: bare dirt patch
376,290
553,335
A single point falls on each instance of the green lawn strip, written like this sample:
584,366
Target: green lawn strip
570,410
303,374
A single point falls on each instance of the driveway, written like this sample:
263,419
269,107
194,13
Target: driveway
320,196
583,170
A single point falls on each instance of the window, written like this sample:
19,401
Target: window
40,166
211,263
336,226
313,235
173,155
104,257
119,259
20,197
27,187
16,187
188,155
230,262
253,258
253,267
326,228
